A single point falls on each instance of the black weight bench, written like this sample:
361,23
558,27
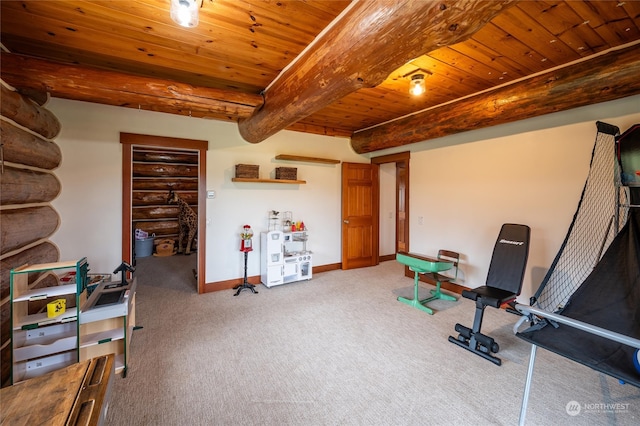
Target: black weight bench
503,285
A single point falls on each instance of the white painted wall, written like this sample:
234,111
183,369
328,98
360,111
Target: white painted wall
387,209
530,172
90,204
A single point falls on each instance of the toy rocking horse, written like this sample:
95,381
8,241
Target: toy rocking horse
187,222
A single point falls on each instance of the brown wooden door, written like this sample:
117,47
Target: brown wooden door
360,224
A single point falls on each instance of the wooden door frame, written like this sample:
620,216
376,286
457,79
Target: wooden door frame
128,140
401,157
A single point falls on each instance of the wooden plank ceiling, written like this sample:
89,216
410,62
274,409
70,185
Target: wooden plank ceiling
246,53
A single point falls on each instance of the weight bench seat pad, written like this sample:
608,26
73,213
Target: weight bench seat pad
608,298
490,296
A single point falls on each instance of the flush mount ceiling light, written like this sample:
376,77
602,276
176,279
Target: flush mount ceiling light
417,86
185,12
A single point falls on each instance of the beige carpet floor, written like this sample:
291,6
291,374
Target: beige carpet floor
337,350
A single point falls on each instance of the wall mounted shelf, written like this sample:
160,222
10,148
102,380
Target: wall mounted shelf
298,182
306,159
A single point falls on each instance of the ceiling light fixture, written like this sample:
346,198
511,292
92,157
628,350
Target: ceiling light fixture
185,12
417,86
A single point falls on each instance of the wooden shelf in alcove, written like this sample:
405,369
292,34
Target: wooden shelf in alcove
290,181
306,159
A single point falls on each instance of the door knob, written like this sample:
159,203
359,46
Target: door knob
345,221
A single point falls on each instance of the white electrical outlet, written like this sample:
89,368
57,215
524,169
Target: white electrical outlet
420,220
211,194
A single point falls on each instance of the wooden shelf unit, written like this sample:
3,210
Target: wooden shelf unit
305,159
39,343
254,180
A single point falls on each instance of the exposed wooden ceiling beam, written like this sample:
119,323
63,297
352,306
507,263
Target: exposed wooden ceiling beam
372,39
113,88
319,130
607,77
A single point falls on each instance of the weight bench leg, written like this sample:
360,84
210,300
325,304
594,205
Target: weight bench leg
474,341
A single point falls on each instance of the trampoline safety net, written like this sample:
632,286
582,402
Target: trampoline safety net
602,209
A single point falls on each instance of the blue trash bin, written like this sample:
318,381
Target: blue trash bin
144,248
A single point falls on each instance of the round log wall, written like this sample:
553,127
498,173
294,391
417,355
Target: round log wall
27,187
21,227
22,147
22,186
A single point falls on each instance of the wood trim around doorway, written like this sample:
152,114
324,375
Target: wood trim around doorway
392,158
128,140
401,157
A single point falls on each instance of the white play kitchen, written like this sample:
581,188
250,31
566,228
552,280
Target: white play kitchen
284,257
